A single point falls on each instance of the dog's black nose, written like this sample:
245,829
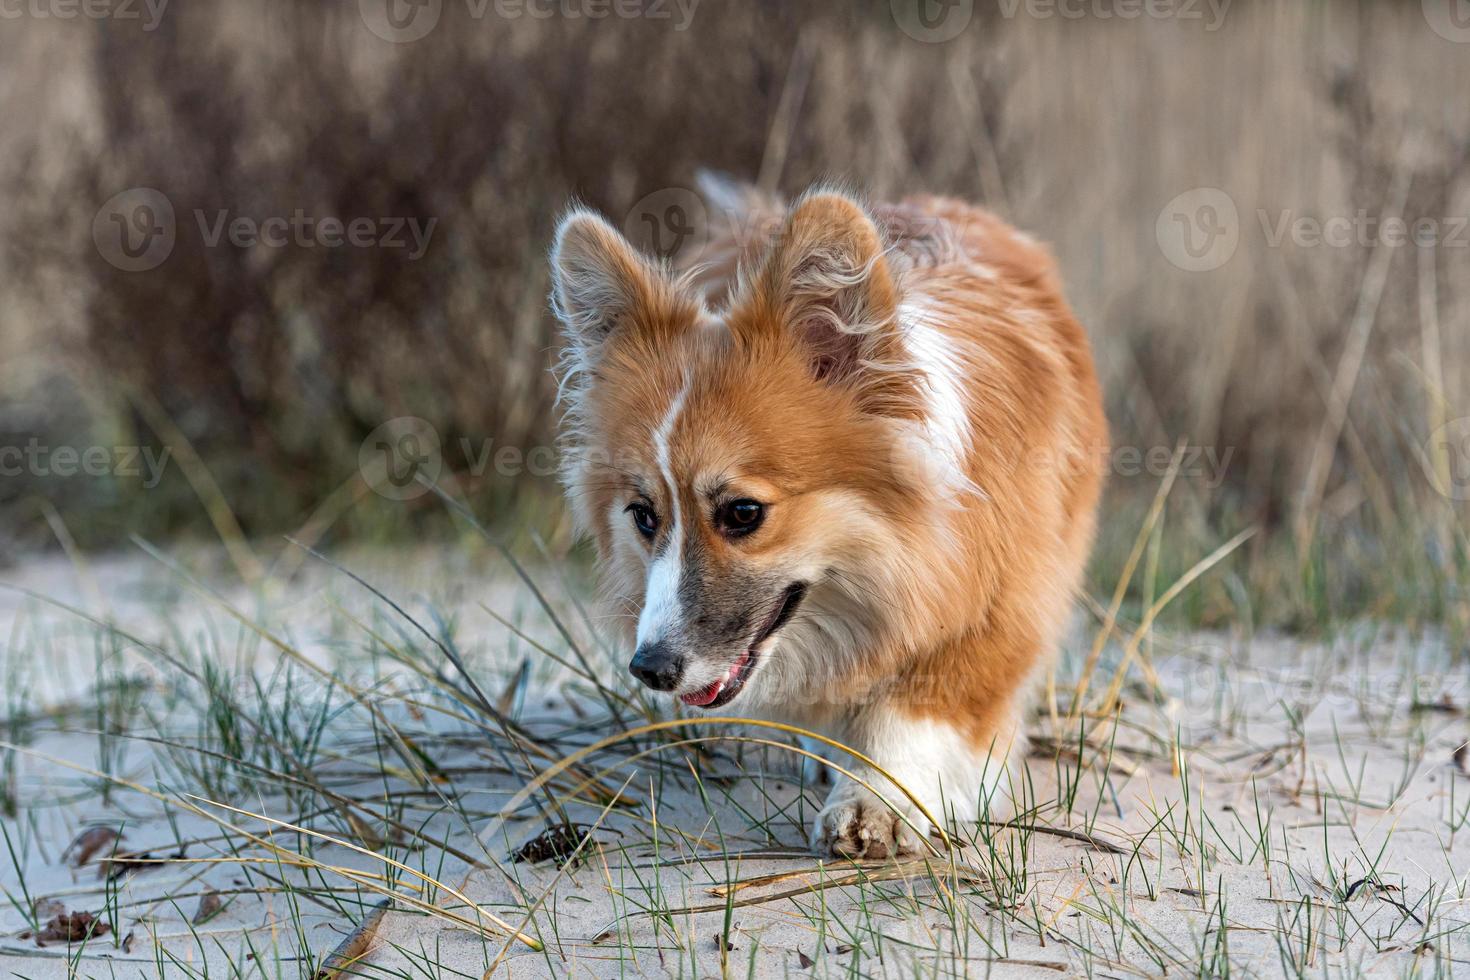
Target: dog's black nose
658,666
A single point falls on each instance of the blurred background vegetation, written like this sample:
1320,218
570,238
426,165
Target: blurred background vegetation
1322,379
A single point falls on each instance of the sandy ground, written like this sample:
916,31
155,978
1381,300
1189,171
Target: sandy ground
1279,807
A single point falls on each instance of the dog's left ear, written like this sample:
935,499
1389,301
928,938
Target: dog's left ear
602,287
826,283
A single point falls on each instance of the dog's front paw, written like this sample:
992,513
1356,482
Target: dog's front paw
857,824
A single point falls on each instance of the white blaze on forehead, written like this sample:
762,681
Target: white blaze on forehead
660,597
661,594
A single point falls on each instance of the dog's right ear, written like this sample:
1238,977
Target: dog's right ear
602,285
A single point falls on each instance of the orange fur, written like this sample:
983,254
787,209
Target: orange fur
907,393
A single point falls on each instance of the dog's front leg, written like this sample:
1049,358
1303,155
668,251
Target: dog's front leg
951,773
857,823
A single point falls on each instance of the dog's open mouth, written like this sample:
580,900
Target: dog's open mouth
724,690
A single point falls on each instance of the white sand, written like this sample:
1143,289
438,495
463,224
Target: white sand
1361,866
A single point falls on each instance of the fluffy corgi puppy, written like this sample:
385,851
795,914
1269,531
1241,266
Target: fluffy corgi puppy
844,474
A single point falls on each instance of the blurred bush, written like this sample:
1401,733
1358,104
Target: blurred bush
274,364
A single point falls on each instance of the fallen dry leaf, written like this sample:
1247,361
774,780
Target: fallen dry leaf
85,846
71,927
209,906
355,946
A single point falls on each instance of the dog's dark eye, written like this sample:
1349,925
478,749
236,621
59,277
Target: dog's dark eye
644,519
741,517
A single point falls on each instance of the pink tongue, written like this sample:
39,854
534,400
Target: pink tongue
707,695
704,695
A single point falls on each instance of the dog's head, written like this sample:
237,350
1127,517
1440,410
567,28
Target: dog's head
744,471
